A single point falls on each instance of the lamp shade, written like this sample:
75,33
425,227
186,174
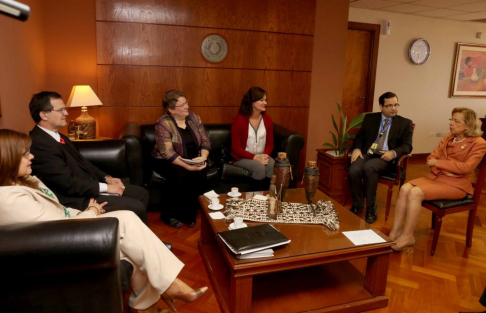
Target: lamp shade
83,96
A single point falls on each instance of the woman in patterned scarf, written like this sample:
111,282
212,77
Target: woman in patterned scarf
182,147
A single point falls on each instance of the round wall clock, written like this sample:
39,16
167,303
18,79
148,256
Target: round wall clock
419,51
214,48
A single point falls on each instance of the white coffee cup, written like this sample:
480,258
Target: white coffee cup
214,202
234,191
238,222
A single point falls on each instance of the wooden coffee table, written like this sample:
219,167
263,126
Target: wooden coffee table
319,271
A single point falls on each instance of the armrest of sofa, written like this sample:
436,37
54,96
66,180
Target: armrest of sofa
59,246
290,142
134,156
61,266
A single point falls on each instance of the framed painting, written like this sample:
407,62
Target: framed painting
469,77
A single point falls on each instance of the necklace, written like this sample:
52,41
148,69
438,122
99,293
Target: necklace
455,140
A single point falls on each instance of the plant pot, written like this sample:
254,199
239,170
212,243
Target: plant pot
331,172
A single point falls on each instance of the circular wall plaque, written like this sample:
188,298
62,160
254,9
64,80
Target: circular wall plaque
214,48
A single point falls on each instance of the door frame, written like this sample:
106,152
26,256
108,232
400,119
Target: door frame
374,30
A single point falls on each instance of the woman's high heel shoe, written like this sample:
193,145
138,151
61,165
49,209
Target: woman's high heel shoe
398,248
169,297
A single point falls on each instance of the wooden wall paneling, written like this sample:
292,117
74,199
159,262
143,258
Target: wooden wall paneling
145,85
113,119
147,44
285,16
294,119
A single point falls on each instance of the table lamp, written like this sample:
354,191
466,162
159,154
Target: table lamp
84,96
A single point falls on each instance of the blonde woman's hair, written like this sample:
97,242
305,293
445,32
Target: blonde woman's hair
471,119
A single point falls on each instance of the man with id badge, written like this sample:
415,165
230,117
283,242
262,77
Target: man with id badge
383,138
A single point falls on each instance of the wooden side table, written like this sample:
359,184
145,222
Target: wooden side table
331,171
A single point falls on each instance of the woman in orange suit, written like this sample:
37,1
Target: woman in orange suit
451,165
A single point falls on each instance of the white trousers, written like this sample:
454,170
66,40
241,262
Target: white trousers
154,266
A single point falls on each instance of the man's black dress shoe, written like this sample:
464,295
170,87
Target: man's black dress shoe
356,209
371,216
174,223
168,245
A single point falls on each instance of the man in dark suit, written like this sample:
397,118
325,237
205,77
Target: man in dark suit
383,138
66,172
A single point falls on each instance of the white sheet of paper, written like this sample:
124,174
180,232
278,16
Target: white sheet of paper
211,194
217,215
363,237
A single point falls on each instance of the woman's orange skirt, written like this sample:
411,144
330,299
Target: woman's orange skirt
434,190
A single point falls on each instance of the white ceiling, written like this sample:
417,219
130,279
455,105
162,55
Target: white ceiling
459,10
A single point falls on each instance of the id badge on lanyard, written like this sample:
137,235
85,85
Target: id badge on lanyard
374,146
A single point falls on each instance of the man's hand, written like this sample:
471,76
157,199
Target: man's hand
114,181
387,155
431,162
115,188
356,154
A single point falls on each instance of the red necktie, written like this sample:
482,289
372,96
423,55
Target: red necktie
62,141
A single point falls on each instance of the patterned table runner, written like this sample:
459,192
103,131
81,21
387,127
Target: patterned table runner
297,213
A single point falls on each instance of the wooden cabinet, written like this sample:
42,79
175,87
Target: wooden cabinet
331,173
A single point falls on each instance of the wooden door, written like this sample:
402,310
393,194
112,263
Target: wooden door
360,68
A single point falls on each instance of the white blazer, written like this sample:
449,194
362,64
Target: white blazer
19,204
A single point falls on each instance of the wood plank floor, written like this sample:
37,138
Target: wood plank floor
451,281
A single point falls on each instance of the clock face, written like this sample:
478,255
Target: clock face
419,51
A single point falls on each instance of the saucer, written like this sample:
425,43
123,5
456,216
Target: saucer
232,226
235,196
219,207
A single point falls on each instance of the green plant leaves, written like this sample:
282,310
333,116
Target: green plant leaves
342,138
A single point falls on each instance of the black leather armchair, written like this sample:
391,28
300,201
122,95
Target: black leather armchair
61,266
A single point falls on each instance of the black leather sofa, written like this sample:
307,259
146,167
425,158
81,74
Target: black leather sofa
222,175
61,266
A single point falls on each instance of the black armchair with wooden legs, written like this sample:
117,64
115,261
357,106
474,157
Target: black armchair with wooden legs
390,179
441,208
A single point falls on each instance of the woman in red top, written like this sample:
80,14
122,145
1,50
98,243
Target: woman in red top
252,135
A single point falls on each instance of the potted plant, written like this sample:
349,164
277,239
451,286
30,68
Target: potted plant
332,163
341,139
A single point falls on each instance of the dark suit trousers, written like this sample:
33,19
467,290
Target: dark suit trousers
363,175
135,198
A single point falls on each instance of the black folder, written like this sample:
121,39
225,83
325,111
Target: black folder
254,238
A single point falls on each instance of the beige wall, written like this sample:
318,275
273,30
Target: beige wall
54,50
327,71
22,67
423,90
